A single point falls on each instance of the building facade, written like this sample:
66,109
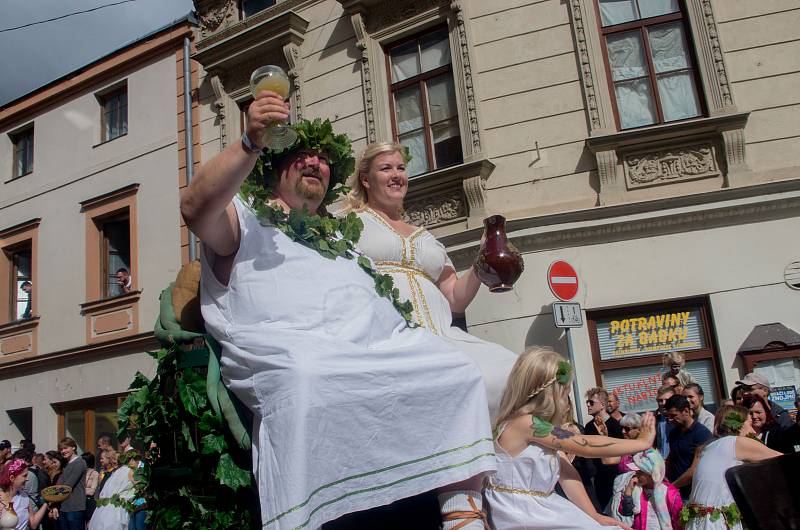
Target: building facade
653,144
91,166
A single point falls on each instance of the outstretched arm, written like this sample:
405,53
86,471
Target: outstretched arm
592,446
750,450
206,202
572,485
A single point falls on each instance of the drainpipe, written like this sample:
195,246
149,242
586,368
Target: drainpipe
187,121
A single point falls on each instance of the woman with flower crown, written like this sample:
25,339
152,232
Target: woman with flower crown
16,509
711,505
530,449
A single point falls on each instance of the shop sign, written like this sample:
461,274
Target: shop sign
784,396
649,333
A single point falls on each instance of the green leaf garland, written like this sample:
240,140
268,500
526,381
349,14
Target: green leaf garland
332,238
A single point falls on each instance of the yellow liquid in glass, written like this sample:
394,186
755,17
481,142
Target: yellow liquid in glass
274,83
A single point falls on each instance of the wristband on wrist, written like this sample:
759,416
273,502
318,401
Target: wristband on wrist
249,146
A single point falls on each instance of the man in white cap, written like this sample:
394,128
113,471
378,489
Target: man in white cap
758,384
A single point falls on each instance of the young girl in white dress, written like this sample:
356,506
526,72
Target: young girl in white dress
530,446
711,505
418,262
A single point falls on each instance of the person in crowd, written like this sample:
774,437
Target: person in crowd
418,262
296,327
674,363
27,287
711,505
31,487
13,475
27,445
663,426
684,439
694,393
137,519
670,380
643,498
631,424
125,443
42,478
605,425
5,451
54,465
116,482
613,406
530,450
124,281
758,384
766,427
90,484
71,512
737,395
104,441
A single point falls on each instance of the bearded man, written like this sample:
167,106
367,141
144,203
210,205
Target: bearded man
353,409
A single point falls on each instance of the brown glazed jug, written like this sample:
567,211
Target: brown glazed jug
499,263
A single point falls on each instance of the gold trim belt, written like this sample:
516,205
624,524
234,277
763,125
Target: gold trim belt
397,266
531,493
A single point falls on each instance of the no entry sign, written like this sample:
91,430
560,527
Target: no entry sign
563,280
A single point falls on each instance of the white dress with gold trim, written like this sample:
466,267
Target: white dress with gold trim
416,262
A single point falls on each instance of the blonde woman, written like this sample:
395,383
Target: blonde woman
674,363
417,262
530,451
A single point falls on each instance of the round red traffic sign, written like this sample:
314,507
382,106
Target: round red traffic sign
563,280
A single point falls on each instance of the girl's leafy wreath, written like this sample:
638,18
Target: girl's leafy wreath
331,237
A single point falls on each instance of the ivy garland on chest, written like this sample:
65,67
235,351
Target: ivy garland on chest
331,237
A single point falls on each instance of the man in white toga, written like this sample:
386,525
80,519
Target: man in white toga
353,409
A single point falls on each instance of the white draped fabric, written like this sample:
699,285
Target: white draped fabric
415,263
708,484
521,497
352,409
111,517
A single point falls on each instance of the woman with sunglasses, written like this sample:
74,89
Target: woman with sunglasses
631,423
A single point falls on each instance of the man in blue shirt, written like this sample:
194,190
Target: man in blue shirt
686,436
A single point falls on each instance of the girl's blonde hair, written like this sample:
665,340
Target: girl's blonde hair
357,198
532,388
673,357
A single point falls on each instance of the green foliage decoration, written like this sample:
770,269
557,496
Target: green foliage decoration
194,475
729,513
541,428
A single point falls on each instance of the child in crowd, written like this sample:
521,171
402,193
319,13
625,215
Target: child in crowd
520,495
643,498
673,364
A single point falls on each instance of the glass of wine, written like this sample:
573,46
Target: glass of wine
277,136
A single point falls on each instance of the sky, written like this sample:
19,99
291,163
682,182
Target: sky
33,56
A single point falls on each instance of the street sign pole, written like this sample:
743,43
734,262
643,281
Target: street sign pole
576,401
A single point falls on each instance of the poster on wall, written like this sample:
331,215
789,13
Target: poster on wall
636,387
785,396
650,333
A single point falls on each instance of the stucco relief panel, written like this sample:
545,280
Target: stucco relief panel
674,164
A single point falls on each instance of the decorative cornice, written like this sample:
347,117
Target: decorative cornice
585,63
127,299
291,53
25,226
667,131
82,354
223,14
716,53
644,228
466,65
250,38
219,106
115,195
16,326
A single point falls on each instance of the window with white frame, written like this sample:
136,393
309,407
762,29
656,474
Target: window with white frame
649,60
423,100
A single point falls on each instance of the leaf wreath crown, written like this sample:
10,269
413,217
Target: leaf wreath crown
316,135
562,376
